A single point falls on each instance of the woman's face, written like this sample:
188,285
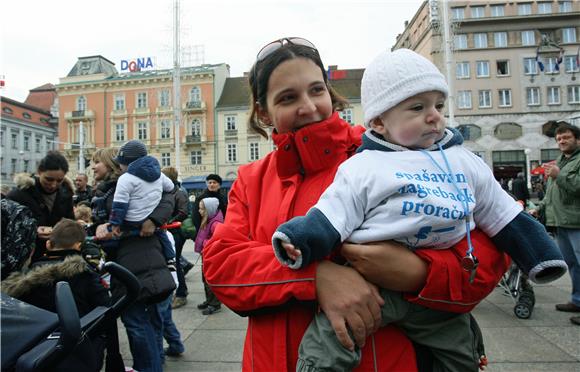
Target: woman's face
51,180
297,96
100,170
202,211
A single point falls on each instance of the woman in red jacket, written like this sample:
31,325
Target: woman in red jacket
291,94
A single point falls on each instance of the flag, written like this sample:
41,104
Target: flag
559,60
538,60
337,74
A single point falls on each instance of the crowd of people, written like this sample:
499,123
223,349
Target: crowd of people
412,212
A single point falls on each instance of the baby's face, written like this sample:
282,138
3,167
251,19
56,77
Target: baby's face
416,123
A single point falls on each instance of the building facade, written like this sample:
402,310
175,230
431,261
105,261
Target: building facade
26,134
514,74
110,108
238,144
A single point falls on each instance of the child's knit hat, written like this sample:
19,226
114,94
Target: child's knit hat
131,151
211,206
392,77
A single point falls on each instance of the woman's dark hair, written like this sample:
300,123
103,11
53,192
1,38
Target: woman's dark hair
53,161
259,76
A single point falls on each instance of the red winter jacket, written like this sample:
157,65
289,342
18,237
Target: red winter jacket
240,266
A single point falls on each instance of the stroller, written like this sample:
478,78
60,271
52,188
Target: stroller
34,339
516,285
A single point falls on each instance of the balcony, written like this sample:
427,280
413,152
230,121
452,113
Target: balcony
192,140
231,132
79,115
193,106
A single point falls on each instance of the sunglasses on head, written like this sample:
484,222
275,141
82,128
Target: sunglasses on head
277,44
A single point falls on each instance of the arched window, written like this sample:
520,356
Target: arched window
196,128
508,131
81,103
195,94
469,132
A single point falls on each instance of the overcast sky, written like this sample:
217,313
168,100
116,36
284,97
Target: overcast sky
41,40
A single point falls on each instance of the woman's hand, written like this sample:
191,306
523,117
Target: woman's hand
388,264
103,232
147,228
348,300
44,232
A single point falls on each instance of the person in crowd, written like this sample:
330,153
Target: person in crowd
143,256
63,262
211,216
561,207
18,236
138,192
291,94
48,195
83,191
180,213
213,183
393,189
520,189
83,214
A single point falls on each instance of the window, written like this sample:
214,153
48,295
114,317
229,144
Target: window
480,40
544,8
14,140
484,98
482,68
81,103
574,94
528,38
119,132
569,35
464,99
505,97
477,11
508,131
165,159
26,144
2,138
13,164
347,115
26,166
500,39
565,6
230,122
142,100
457,13
503,68
254,151
553,95
142,130
497,10
460,41
530,66
232,152
195,95
525,9
196,128
571,64
165,128
119,101
462,70
37,145
469,132
552,66
533,96
195,157
7,110
26,115
164,98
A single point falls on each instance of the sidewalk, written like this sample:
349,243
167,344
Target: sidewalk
548,341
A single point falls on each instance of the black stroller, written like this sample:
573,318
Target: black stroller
516,285
34,339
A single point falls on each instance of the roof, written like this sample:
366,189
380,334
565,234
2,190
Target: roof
347,82
42,97
236,93
93,65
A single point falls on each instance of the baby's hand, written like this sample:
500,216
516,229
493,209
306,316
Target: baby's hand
292,252
116,230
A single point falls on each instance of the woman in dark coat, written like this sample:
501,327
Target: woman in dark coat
48,195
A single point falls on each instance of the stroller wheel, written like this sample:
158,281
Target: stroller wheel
522,311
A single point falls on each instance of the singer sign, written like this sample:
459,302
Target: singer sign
137,64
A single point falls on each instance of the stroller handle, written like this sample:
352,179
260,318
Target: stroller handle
68,316
129,280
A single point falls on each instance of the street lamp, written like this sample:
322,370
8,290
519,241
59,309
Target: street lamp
528,177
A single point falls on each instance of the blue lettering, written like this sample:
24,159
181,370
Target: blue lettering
407,207
124,65
149,62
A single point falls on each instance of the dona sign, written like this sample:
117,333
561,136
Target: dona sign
137,64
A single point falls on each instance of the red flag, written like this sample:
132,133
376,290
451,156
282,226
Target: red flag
337,74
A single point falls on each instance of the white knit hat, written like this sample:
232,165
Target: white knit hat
392,77
211,206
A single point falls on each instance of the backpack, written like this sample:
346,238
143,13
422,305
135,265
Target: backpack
18,236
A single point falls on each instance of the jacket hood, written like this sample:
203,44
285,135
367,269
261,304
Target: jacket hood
19,284
211,206
312,148
26,180
374,141
147,168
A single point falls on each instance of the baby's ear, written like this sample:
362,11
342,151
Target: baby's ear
77,246
377,125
